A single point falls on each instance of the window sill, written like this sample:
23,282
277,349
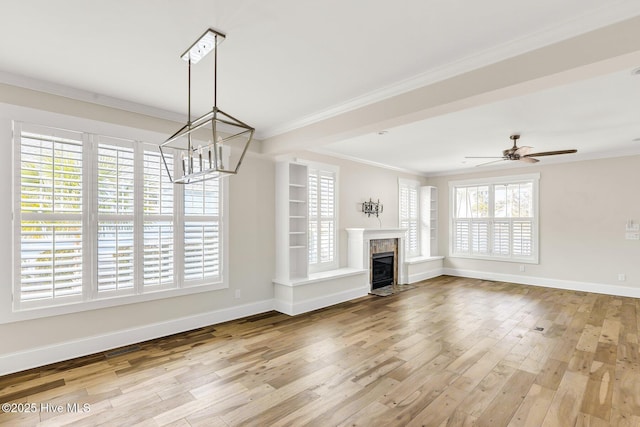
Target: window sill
320,277
421,259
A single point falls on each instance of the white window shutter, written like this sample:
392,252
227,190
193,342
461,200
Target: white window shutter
51,259
502,214
51,247
97,219
115,256
501,238
461,236
409,217
115,181
202,237
322,218
522,238
479,237
158,235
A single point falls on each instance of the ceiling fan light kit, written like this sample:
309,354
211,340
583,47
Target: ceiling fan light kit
229,140
522,154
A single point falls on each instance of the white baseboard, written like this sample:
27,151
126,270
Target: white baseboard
32,358
424,275
293,308
572,285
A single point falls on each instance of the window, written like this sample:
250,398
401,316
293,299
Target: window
409,215
495,218
322,183
115,182
157,216
202,232
51,227
97,218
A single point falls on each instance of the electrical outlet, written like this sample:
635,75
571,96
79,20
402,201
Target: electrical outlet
522,268
622,277
238,294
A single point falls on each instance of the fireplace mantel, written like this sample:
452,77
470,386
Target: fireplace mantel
358,245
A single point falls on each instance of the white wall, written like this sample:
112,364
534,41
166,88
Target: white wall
584,207
358,183
251,235
30,343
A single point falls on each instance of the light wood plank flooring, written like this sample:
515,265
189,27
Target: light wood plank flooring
451,352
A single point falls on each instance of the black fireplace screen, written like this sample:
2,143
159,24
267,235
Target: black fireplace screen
382,270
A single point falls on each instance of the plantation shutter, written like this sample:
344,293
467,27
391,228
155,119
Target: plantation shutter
322,218
461,234
480,237
409,217
522,238
313,217
496,220
202,238
501,238
158,245
327,217
97,219
50,206
115,179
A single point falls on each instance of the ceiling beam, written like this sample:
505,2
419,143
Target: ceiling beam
592,54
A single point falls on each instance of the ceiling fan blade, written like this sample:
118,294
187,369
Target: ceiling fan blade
523,151
528,160
551,153
488,163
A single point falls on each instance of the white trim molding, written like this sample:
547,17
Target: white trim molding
319,290
424,275
547,282
35,357
293,307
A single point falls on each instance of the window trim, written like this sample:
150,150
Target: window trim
533,178
13,118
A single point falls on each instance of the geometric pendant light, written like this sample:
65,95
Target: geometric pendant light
219,152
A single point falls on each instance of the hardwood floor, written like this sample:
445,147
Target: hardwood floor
451,352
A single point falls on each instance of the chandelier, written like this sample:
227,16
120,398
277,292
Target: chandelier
187,161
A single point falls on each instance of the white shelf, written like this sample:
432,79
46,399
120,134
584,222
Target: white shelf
429,203
291,220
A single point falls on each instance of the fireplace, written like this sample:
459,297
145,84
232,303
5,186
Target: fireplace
365,243
382,269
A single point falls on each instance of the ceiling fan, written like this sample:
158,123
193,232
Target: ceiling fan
522,154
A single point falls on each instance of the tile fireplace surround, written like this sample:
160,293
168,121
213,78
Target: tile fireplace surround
359,249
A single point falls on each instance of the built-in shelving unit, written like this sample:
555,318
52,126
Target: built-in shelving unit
291,221
429,212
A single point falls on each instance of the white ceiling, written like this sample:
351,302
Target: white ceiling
599,117
289,63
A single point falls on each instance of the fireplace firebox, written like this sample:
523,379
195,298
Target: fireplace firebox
382,269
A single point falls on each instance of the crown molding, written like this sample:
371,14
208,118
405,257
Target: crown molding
609,14
330,153
581,24
87,96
